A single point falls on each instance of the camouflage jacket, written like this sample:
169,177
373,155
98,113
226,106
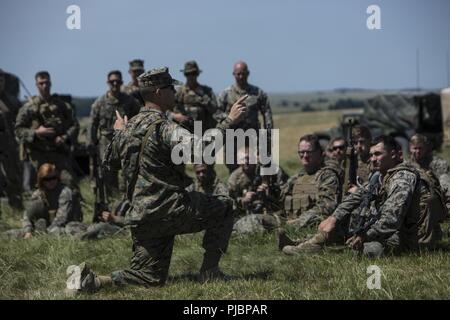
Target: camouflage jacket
441,170
59,204
439,166
103,114
239,183
214,187
432,202
130,88
54,113
397,203
256,102
159,183
200,104
317,194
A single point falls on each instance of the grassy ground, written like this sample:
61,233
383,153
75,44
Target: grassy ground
35,269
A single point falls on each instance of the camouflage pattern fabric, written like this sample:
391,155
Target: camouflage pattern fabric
200,104
160,206
239,183
103,116
256,103
398,203
54,114
441,170
432,208
362,173
310,198
54,206
251,223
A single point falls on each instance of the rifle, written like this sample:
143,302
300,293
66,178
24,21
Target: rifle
100,204
364,222
265,200
351,155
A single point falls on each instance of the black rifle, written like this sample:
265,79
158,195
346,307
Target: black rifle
351,155
100,204
364,222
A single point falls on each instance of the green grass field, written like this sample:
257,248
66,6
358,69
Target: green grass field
35,268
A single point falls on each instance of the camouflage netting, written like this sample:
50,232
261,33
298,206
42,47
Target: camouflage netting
390,114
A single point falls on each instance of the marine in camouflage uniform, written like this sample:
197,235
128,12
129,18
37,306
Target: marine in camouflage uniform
10,171
362,138
103,115
195,100
207,181
51,207
47,128
256,196
396,204
243,182
314,193
135,70
160,206
257,103
433,209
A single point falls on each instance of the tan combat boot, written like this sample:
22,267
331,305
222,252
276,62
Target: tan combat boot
313,245
82,279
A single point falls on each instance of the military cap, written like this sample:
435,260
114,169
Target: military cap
157,78
191,67
136,64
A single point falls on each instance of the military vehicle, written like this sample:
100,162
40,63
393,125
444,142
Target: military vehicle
398,115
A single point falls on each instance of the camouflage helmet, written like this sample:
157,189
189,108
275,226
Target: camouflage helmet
156,78
191,67
137,65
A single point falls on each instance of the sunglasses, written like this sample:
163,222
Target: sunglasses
335,148
115,82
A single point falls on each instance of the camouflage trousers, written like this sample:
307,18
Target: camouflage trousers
36,210
153,240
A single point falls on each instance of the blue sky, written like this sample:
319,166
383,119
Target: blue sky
291,45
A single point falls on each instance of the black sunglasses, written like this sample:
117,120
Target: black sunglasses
338,148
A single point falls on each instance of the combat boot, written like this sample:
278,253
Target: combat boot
313,245
81,279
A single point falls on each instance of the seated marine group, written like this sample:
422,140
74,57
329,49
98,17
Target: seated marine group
364,195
